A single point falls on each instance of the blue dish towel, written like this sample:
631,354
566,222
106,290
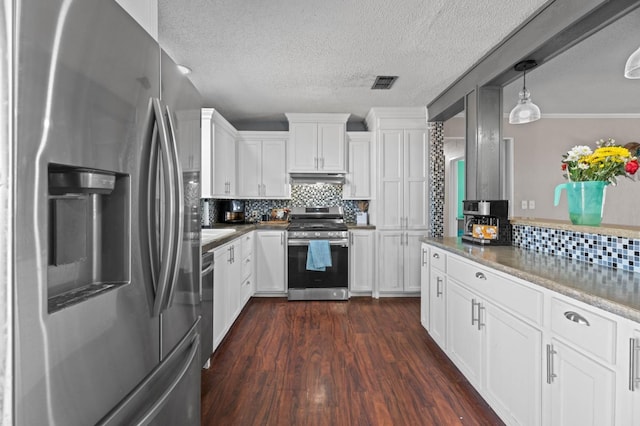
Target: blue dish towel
318,255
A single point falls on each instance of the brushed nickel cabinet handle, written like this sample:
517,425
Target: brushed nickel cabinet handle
436,256
424,260
576,317
480,276
473,311
634,349
550,374
438,289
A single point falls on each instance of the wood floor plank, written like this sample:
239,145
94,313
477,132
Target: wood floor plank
361,362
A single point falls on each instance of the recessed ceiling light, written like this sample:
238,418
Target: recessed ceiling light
384,82
184,69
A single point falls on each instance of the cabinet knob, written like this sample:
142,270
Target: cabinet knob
480,276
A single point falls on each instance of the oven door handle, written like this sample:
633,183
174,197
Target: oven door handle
300,243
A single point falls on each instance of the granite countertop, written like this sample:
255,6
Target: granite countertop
352,225
612,290
241,229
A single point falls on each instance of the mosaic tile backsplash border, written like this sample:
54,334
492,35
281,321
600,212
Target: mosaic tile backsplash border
301,195
609,251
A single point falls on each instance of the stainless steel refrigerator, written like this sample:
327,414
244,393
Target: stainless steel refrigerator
106,247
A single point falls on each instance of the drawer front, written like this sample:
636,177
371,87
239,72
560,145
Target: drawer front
584,328
247,266
247,244
438,259
513,296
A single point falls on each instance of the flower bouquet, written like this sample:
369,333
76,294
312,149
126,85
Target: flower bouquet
606,163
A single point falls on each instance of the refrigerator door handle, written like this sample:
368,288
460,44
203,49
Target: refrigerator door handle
169,209
152,236
162,400
179,204
128,410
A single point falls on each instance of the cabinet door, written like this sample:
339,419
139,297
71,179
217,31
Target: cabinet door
331,147
391,179
274,169
303,147
437,306
234,284
220,278
634,376
512,369
361,261
582,391
249,168
424,286
391,262
415,179
412,260
270,261
224,156
464,340
358,182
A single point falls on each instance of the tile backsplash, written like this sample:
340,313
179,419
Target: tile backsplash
609,251
301,195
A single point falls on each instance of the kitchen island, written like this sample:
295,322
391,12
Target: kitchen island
544,338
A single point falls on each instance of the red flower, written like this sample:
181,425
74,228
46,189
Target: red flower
631,167
564,166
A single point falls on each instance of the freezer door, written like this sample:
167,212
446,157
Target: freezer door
85,336
170,395
182,109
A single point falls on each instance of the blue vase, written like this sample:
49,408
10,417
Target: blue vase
586,201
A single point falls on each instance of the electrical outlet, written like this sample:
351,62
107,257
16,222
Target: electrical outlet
532,204
524,204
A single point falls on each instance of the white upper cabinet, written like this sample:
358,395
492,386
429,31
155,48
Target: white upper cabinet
403,179
262,165
317,142
218,175
358,180
145,12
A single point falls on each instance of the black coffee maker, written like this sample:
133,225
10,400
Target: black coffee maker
486,222
232,211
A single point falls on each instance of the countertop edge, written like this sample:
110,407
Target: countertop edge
615,307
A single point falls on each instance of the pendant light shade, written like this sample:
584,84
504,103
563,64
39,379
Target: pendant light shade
525,111
632,68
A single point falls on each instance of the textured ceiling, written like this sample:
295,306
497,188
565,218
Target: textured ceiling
254,60
588,78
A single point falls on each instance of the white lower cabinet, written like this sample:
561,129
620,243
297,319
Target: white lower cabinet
399,261
232,272
424,287
437,306
511,366
498,353
464,338
633,373
361,251
226,289
581,390
271,251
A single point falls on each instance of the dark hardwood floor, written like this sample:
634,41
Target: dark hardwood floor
361,362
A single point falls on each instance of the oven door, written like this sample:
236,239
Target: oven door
336,276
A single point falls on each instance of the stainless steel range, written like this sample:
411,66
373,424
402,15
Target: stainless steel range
318,234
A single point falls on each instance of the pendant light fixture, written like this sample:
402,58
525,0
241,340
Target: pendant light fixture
632,68
526,111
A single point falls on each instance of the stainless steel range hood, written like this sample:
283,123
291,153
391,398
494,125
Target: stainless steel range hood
329,178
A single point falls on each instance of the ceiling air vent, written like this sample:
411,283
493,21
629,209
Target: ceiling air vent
384,82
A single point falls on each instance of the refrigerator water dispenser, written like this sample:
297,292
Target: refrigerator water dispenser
88,243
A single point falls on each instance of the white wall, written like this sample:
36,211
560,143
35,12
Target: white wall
538,149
